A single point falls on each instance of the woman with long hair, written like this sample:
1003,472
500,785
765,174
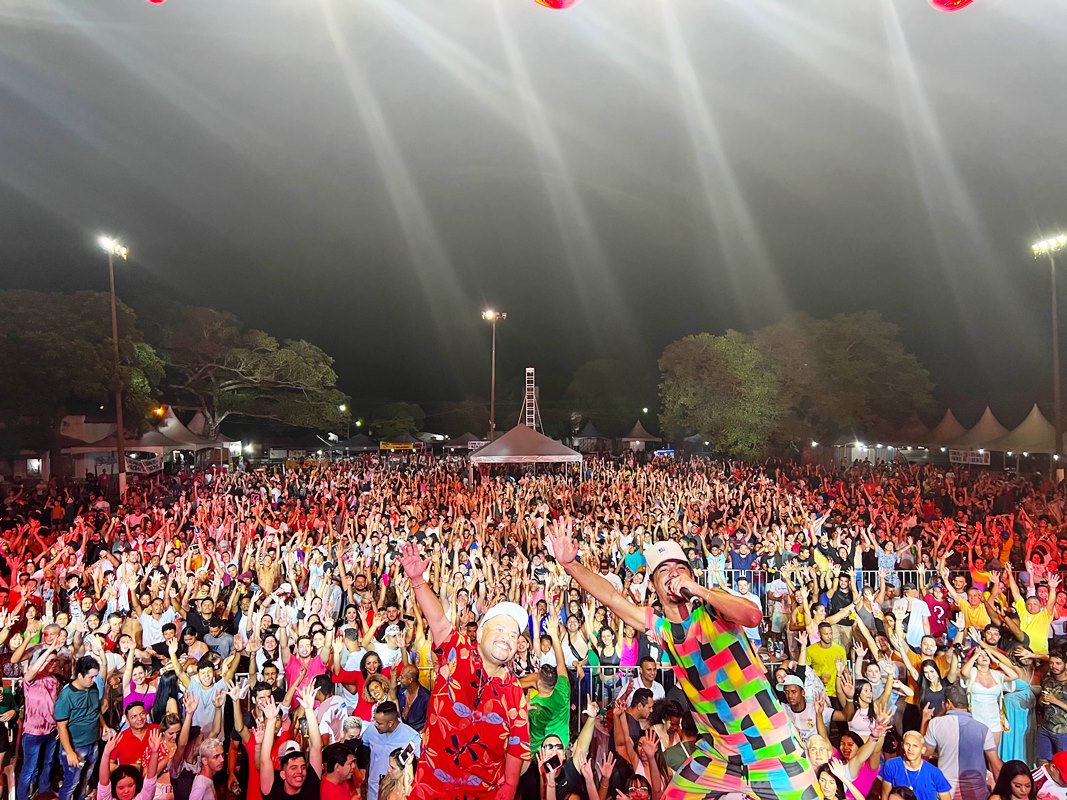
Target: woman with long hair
167,697
137,684
986,688
1018,742
1014,783
931,684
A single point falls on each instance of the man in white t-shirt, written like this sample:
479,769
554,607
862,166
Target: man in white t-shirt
611,577
744,589
647,672
800,712
918,618
152,621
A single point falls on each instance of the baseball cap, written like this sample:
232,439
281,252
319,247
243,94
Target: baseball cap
394,630
1059,761
507,609
287,748
790,680
659,553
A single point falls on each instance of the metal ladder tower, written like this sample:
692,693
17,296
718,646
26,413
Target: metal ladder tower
530,416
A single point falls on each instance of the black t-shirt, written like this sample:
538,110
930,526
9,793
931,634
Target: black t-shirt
309,791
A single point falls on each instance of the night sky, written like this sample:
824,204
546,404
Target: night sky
370,174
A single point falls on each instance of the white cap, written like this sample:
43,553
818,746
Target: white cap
659,553
507,609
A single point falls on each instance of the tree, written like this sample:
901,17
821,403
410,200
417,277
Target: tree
847,373
721,387
56,349
217,367
456,417
609,392
396,419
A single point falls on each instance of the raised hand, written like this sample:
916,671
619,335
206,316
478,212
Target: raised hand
414,565
192,702
270,708
307,698
648,745
561,539
606,764
840,770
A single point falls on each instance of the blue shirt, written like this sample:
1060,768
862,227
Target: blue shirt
927,782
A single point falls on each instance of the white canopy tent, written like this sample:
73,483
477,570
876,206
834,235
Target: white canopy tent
947,430
986,430
1035,434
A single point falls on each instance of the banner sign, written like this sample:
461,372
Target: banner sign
477,444
396,446
144,466
978,457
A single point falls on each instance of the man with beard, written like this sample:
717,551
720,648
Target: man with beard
477,734
748,745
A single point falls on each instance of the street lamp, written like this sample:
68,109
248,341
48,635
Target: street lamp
1049,247
343,408
492,316
115,248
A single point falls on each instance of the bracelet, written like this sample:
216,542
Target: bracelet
415,586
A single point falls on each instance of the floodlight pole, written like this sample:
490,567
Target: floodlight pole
120,428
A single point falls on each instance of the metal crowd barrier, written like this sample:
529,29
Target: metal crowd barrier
759,579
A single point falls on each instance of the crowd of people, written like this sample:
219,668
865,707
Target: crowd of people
632,629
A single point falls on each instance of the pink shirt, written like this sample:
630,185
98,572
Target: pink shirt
40,698
315,667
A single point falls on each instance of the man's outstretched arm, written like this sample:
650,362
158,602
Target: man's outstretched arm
565,550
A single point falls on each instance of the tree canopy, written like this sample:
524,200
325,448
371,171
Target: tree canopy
843,374
219,368
56,348
798,379
720,387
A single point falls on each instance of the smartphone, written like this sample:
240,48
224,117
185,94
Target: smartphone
407,755
553,763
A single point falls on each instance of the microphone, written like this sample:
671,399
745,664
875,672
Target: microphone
687,593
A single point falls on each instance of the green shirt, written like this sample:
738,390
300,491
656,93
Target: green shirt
81,711
550,716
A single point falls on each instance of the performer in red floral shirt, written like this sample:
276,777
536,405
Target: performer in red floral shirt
477,732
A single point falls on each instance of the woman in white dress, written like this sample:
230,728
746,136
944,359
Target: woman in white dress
986,687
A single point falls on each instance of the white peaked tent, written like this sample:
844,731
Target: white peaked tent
1035,434
639,434
947,430
638,438
986,430
172,427
522,445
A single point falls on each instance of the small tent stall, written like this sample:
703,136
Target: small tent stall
360,443
638,437
93,456
590,440
465,443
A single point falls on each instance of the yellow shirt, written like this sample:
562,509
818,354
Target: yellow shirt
823,660
974,617
1035,626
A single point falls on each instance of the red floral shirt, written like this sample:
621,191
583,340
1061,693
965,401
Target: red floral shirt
474,722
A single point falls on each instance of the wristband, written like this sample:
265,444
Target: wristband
415,586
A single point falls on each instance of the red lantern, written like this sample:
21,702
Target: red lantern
951,5
557,4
